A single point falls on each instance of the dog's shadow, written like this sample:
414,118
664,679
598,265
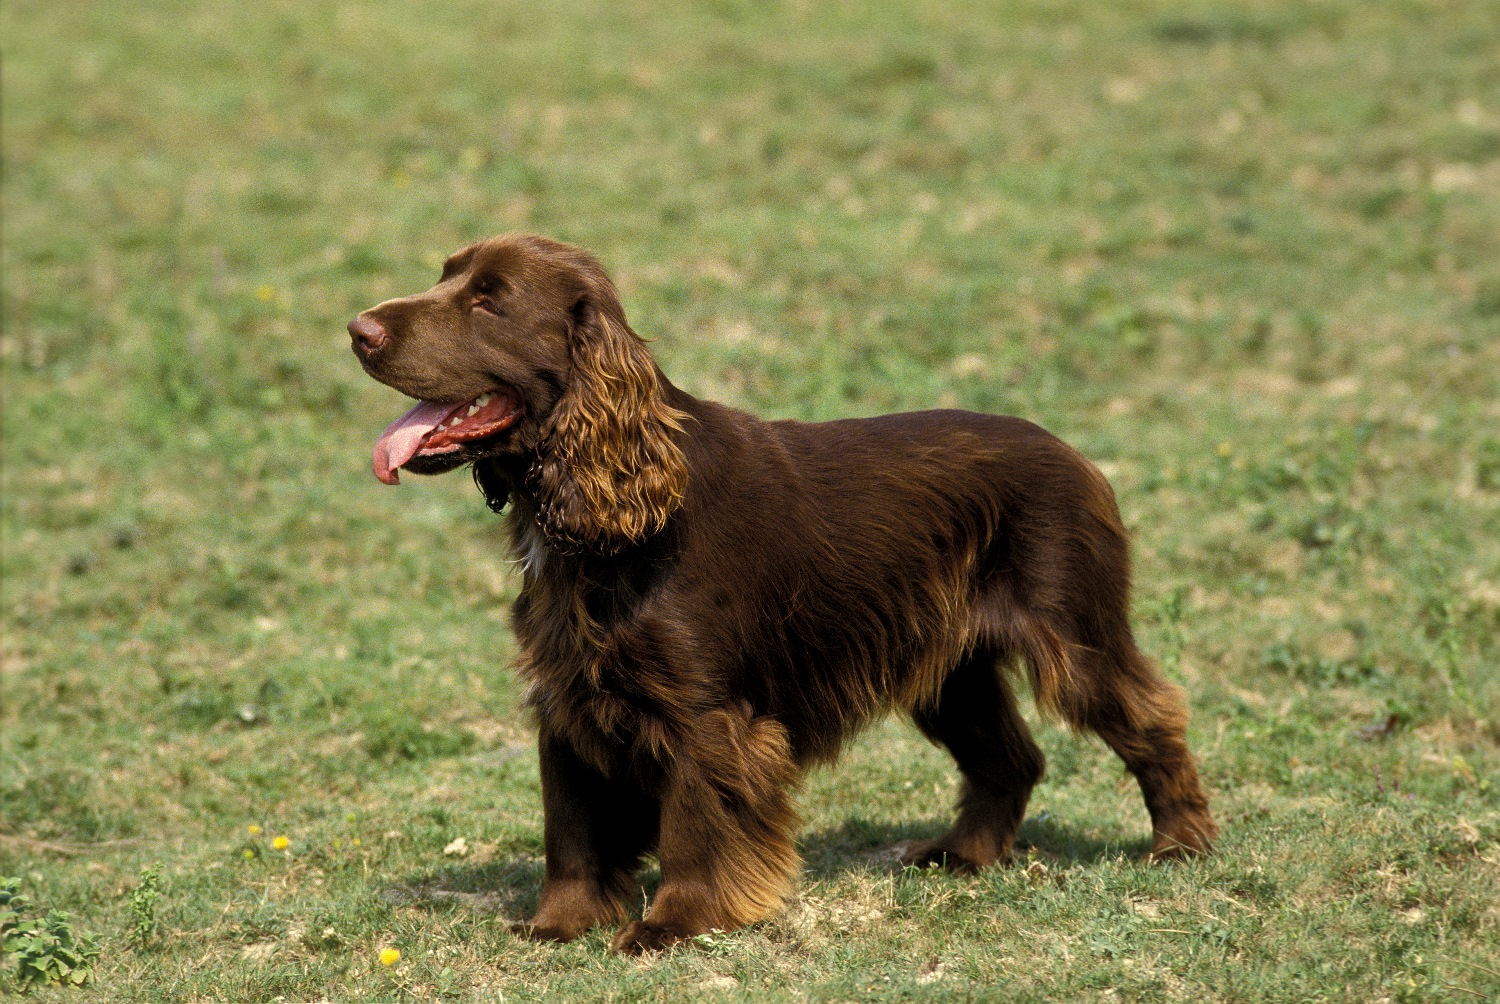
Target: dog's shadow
508,888
859,844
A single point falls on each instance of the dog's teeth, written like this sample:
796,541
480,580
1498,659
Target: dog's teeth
481,400
473,409
456,420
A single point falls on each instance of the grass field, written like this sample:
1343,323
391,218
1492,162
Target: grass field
1246,256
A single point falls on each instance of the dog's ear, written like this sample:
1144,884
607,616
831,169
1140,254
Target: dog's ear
608,472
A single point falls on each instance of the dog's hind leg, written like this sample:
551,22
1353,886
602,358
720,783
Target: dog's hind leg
1066,610
1144,719
977,720
1078,646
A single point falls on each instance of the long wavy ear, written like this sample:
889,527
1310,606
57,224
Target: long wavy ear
608,472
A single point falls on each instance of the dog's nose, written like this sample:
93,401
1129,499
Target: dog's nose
368,335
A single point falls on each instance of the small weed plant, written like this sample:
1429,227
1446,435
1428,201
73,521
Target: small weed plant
44,949
143,906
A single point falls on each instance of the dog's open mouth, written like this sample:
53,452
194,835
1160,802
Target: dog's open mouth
433,428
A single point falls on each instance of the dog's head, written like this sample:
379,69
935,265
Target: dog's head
521,353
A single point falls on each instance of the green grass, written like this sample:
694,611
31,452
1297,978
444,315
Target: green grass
1245,256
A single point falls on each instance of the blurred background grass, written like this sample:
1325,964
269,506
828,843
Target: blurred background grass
1245,256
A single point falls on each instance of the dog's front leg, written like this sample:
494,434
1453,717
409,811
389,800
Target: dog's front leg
595,831
725,844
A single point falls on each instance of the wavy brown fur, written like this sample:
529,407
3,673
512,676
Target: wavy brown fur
607,472
712,603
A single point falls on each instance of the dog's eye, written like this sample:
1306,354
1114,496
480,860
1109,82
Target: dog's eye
486,290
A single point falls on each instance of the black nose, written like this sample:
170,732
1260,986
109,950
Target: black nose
368,335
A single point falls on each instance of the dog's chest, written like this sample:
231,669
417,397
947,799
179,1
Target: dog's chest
578,676
607,726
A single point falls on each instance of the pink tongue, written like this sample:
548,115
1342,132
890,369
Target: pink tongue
403,437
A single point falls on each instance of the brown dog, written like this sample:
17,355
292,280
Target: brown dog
712,603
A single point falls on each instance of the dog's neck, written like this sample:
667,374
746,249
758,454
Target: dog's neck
507,487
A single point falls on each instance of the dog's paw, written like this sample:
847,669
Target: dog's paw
1183,844
542,932
936,853
639,937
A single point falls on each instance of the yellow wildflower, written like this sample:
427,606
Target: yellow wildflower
389,956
